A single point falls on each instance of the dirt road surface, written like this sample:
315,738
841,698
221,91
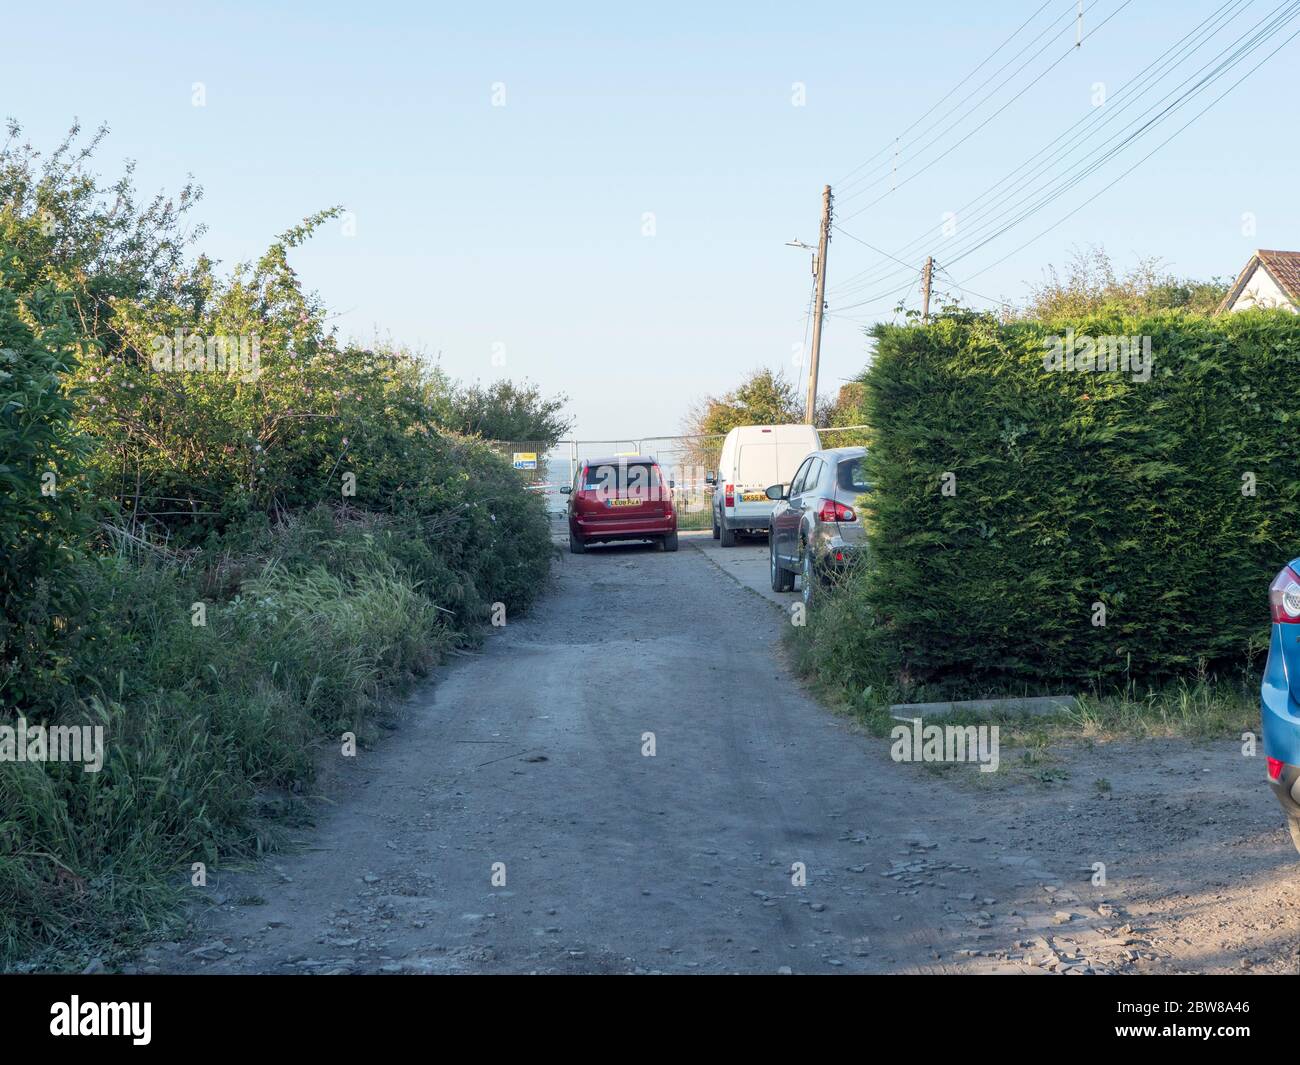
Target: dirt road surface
530,761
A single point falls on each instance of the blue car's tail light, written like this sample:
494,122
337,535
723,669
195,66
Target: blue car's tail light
1284,597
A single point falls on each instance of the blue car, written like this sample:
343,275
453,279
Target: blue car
1280,696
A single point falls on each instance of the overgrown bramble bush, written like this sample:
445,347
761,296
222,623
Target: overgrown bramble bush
203,401
189,449
313,498
1031,528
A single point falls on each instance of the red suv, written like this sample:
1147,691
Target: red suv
620,498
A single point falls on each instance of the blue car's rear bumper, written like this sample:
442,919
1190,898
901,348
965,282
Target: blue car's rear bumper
1279,711
1280,715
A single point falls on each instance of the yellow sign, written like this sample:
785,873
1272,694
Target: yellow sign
525,460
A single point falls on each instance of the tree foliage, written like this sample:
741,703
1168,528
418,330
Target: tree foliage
764,397
504,410
1090,284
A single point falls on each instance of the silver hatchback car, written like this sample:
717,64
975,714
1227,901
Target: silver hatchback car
814,527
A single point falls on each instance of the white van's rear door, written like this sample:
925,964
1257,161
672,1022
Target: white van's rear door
765,455
757,462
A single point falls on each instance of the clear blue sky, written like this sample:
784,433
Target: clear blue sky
522,225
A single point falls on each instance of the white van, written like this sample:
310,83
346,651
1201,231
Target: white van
753,457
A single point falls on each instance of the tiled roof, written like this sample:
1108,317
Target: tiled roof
1285,268
1282,266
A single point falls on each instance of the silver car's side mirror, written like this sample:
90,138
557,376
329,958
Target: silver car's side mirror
565,489
776,491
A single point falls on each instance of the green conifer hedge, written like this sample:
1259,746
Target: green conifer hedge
1036,519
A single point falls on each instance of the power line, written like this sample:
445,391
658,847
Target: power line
878,251
1252,38
969,96
1257,37
978,67
966,288
845,180
1149,154
861,279
883,295
1224,61
848,184
947,151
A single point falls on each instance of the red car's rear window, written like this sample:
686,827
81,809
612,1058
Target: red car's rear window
626,478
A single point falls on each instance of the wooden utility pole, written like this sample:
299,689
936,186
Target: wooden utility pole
926,275
810,414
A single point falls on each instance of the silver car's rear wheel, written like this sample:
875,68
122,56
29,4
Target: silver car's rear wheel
807,576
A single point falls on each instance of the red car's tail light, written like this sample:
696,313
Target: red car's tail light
1274,769
729,499
1284,597
833,510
